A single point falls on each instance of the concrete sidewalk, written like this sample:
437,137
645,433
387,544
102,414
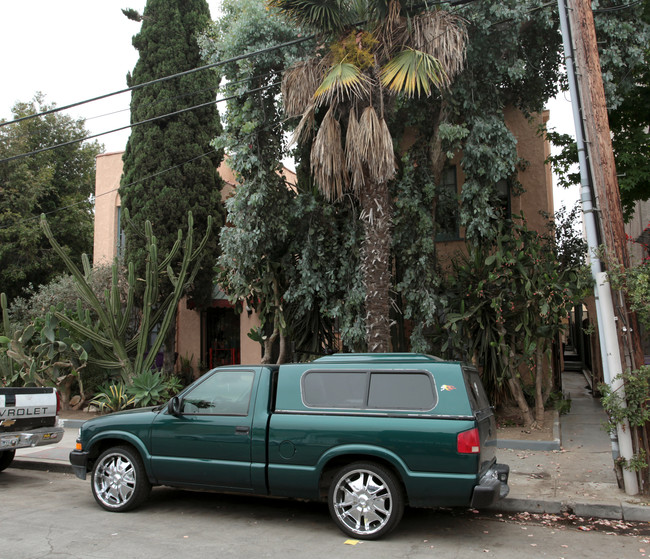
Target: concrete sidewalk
576,477
579,477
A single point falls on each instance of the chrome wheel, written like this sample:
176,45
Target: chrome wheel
366,501
119,481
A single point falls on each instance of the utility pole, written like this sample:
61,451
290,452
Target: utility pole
597,175
603,167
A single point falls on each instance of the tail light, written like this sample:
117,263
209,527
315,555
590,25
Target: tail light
58,402
468,442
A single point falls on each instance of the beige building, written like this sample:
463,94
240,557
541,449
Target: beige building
218,335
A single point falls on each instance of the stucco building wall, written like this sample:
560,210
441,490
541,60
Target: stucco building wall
107,202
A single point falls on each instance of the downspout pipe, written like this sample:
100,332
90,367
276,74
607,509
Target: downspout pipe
608,338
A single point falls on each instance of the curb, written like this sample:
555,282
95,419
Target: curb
54,466
533,506
554,444
635,513
622,511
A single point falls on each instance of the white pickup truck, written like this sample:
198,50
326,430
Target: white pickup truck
28,417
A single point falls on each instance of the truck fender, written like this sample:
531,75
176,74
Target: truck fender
122,436
357,452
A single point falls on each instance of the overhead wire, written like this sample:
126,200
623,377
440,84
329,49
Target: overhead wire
159,80
207,66
180,96
618,8
132,125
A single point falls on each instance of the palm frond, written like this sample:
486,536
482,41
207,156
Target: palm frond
344,81
443,35
391,35
376,146
305,126
299,84
413,71
321,15
353,151
327,158
393,15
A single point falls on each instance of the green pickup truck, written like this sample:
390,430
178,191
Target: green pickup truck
368,433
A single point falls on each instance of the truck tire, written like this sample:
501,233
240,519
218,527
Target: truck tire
366,500
6,458
119,480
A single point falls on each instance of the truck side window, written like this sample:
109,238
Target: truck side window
402,391
477,396
334,389
223,393
369,390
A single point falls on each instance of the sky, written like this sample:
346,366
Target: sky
72,50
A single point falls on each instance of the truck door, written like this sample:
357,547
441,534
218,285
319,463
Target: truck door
209,442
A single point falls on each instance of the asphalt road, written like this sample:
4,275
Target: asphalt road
45,514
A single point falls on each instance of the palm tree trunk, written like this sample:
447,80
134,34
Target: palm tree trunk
377,217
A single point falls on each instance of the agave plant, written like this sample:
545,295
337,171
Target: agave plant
369,51
151,388
112,398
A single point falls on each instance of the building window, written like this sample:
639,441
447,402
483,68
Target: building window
120,240
503,198
447,213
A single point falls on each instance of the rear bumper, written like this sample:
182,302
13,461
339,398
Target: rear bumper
32,437
492,486
79,462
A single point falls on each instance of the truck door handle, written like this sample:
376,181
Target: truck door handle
242,430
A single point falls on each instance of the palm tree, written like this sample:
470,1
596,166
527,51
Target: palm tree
368,52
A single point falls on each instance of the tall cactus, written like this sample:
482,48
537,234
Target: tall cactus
7,369
108,329
6,327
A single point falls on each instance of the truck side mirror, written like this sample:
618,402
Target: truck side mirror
174,406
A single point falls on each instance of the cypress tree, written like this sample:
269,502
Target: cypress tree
170,167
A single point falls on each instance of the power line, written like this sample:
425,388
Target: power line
618,8
180,96
458,2
149,120
159,80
